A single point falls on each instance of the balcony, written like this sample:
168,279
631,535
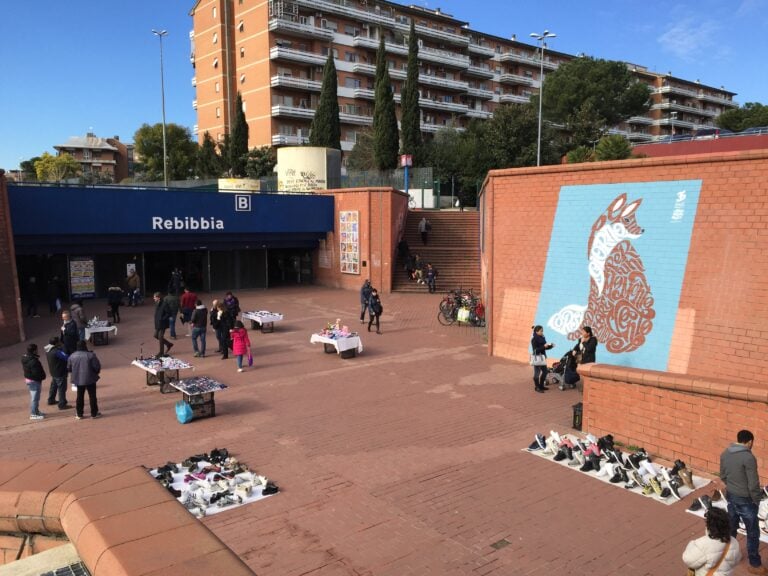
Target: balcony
195,129
684,108
669,89
639,137
446,83
482,114
365,93
373,44
640,120
480,93
456,107
507,78
289,140
677,123
444,57
479,71
297,83
194,104
357,119
282,53
529,59
481,50
718,99
194,80
292,111
454,38
437,127
513,99
299,29
343,8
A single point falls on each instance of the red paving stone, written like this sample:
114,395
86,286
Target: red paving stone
403,461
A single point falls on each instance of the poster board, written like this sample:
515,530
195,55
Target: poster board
82,277
349,241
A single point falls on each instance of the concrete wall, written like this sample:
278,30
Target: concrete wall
11,327
675,285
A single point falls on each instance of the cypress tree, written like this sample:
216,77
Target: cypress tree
385,137
326,127
238,144
208,164
409,105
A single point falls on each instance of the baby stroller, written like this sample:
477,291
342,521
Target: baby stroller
563,374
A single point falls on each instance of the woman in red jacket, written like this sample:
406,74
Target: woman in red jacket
241,344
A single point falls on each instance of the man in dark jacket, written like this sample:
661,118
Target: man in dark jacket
162,314
365,295
738,471
57,365
85,368
33,376
78,315
199,321
69,333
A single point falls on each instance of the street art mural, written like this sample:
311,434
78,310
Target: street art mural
616,262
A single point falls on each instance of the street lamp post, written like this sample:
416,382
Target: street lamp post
160,34
673,117
542,40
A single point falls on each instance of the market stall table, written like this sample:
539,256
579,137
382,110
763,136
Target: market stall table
198,392
99,330
346,345
265,319
162,371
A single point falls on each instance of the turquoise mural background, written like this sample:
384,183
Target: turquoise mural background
666,214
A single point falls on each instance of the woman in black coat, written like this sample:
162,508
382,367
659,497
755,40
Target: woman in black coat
539,346
34,374
586,347
225,323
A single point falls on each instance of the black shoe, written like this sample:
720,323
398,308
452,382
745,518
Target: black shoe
587,466
616,478
595,460
97,415
540,390
51,402
65,407
270,488
695,505
561,455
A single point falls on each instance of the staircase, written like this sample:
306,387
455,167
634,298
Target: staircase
453,249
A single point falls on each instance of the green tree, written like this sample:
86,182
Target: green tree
27,167
326,127
182,152
208,163
385,137
238,144
511,137
613,147
56,168
261,162
409,104
752,114
580,154
361,155
588,96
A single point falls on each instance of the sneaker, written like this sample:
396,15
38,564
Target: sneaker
647,490
534,446
706,502
560,455
695,505
556,437
239,369
36,417
637,478
97,415
616,478
587,467
654,482
665,493
687,477
594,459
541,440
65,407
606,470
674,488
78,417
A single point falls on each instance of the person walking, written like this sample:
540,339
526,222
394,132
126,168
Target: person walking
375,310
162,316
738,471
69,333
424,228
57,366
188,304
539,346
199,322
85,369
241,344
53,292
33,376
717,552
431,274
225,323
232,304
173,304
365,294
78,315
133,283
115,300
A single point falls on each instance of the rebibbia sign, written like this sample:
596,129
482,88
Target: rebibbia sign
186,223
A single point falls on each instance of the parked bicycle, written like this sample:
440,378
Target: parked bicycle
461,306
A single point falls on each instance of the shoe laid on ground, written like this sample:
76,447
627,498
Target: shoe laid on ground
665,493
674,488
758,570
687,477
37,417
695,505
717,495
560,455
541,440
594,459
635,476
706,502
653,481
97,415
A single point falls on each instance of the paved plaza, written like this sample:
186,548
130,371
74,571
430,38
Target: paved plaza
404,461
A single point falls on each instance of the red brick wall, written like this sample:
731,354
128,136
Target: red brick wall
381,213
715,383
11,328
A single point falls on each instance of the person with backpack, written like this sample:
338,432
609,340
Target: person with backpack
375,309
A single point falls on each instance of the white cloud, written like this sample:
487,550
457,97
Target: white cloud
747,7
688,39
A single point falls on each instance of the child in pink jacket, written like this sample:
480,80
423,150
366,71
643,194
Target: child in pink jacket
241,344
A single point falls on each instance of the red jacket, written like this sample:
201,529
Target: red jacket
240,341
189,300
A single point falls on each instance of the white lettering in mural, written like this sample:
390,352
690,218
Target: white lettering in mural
186,223
678,212
606,239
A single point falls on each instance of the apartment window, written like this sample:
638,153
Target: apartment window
213,12
218,112
215,38
350,30
86,154
324,52
242,78
329,24
241,26
283,71
217,87
448,99
350,57
528,74
242,52
352,83
215,62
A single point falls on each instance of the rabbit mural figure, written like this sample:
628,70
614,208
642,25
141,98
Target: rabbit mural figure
620,305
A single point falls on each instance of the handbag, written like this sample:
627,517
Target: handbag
250,358
538,360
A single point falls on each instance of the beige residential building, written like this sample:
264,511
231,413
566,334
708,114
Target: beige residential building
103,160
273,53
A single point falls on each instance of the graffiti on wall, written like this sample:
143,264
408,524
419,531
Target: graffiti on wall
616,262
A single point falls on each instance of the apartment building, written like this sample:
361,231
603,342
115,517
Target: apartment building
273,53
103,160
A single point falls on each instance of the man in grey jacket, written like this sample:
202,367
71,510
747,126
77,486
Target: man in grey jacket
85,368
738,471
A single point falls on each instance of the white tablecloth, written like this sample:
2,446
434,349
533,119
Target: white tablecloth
167,364
93,329
341,344
261,317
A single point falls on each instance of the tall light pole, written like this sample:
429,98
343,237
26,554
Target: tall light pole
542,40
160,34
673,117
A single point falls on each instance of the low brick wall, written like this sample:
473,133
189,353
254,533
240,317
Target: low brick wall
675,415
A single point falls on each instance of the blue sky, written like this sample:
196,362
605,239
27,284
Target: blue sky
68,67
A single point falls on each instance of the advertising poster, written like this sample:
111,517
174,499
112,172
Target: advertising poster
349,242
82,278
